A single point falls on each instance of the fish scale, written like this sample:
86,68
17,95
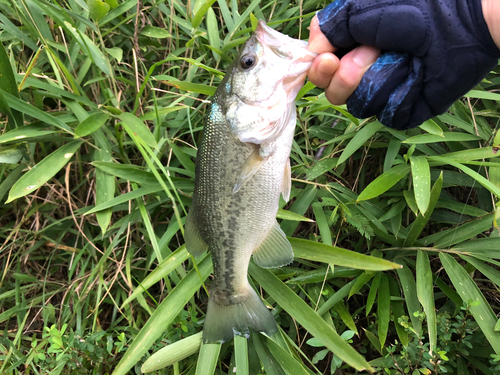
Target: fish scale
238,183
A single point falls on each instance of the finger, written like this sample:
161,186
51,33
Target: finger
323,69
349,73
317,40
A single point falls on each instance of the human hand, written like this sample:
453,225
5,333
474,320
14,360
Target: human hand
430,62
339,78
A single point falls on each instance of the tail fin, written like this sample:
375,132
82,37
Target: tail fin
224,321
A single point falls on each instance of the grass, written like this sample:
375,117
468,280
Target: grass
395,233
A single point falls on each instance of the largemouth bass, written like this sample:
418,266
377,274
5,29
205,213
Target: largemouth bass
242,167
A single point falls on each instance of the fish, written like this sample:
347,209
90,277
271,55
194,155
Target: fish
242,167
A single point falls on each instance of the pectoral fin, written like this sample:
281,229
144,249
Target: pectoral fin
194,243
275,251
286,185
251,166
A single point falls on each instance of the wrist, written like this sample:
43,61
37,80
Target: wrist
491,13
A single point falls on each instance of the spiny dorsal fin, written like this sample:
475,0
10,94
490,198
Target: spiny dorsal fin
194,243
251,166
275,251
286,185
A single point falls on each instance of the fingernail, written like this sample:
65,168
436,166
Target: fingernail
365,56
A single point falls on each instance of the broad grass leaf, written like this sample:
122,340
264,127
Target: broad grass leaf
8,83
359,139
480,247
30,110
286,360
476,176
98,9
360,281
271,365
163,316
10,179
201,11
398,311
155,32
421,220
336,298
207,360
173,353
128,172
94,52
319,252
307,317
182,157
300,206
464,232
421,176
425,293
213,33
43,171
324,228
321,167
91,124
392,153
373,292
241,354
431,127
488,271
477,94
384,182
105,189
292,216
193,87
468,291
410,294
139,128
447,137
117,11
23,133
383,309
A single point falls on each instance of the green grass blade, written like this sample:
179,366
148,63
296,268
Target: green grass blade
425,293
163,316
8,83
167,266
476,176
383,309
286,360
207,360
359,140
410,293
419,224
138,128
173,353
384,182
43,171
421,176
468,291
241,355
271,365
307,317
319,252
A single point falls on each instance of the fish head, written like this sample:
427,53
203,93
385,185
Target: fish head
263,83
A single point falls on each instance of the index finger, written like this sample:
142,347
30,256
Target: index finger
318,42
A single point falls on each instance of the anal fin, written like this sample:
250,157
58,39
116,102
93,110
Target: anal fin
275,251
194,243
286,185
251,166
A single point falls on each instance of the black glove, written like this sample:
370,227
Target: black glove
433,52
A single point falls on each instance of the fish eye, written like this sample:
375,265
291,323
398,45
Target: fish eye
248,61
